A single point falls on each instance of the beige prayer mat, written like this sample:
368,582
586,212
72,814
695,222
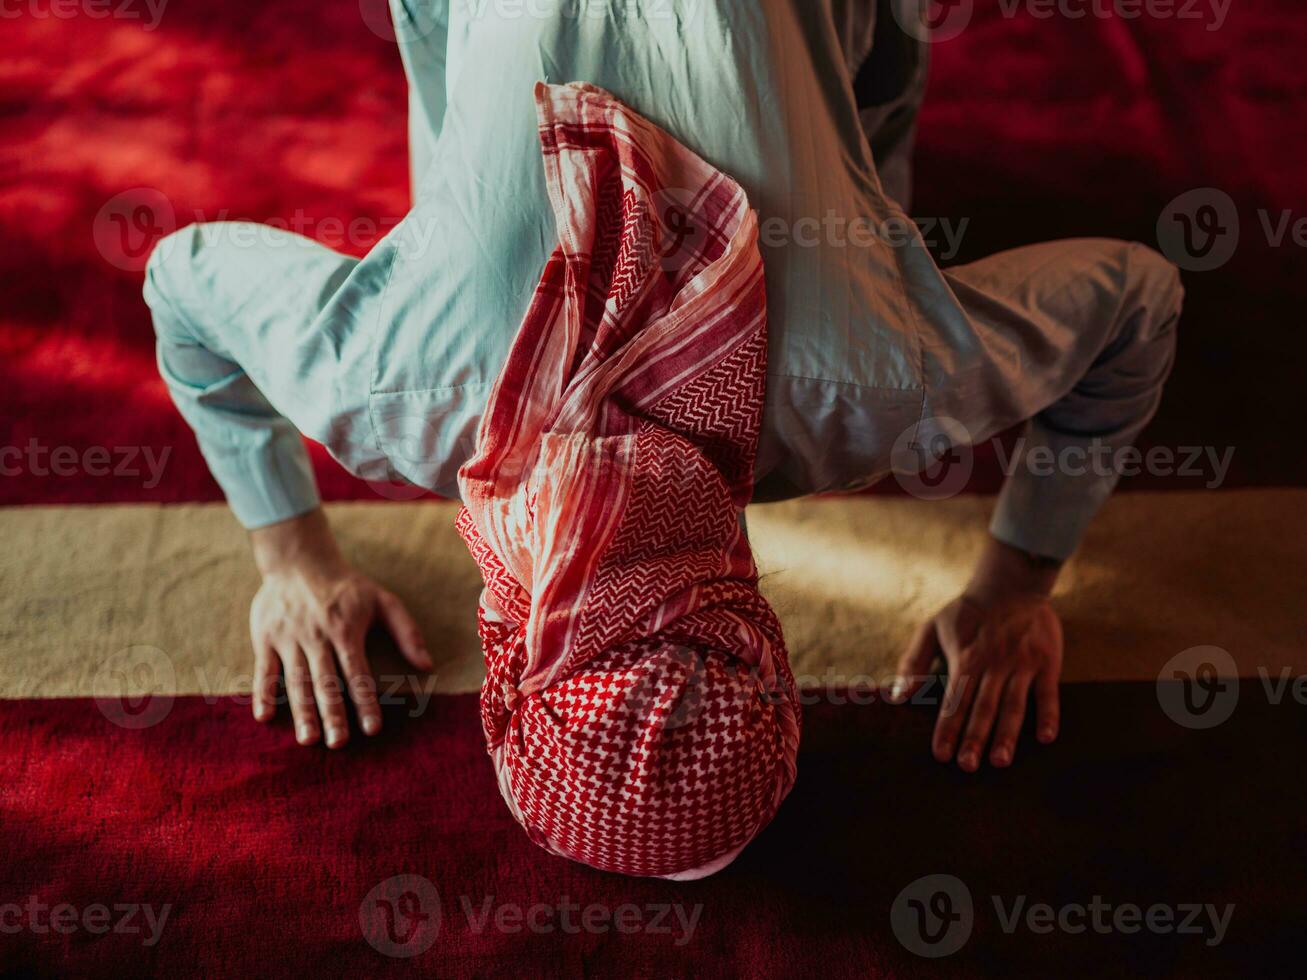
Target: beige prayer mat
139,598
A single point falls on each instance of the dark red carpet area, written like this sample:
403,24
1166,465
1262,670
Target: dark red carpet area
294,112
265,851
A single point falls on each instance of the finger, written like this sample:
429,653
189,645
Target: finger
299,691
980,721
329,693
267,668
1047,707
1011,715
404,628
957,699
358,678
914,665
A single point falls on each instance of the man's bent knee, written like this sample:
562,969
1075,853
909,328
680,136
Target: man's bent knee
168,282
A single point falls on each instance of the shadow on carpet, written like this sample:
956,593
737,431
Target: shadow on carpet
216,846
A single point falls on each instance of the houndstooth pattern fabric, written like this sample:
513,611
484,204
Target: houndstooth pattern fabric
638,702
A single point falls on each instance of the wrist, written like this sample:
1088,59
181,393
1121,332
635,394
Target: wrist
1005,572
302,546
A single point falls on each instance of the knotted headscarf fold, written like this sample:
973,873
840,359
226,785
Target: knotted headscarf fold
638,703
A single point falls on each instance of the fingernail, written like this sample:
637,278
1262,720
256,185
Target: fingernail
1001,757
1046,734
967,760
896,692
335,736
306,734
371,725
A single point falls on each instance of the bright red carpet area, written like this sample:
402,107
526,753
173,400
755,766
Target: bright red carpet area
265,851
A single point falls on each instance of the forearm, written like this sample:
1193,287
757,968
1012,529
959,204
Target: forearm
1056,484
256,455
301,545
1004,571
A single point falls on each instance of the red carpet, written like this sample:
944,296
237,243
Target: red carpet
265,850
294,112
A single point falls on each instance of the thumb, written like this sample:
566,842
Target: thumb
404,628
915,662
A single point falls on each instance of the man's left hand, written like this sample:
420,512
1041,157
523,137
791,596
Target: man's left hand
1001,640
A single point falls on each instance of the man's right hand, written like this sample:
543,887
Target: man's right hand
309,620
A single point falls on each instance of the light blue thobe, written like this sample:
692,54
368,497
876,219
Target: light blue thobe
389,360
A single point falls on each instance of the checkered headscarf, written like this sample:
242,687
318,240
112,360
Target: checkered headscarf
638,702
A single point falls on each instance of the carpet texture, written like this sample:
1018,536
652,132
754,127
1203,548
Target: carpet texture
264,852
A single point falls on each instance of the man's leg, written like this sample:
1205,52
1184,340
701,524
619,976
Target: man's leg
1077,336
258,343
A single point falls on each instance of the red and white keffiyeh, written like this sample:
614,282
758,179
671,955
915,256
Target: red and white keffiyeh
638,702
